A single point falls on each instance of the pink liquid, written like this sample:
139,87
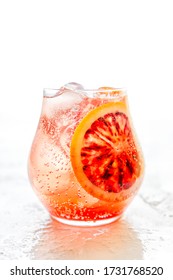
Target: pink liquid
50,169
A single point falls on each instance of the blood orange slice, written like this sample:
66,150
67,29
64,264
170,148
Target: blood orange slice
103,153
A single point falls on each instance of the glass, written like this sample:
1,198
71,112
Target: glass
85,162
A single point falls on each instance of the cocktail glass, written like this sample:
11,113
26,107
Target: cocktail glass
85,162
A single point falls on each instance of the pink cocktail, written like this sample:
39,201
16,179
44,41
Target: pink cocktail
85,163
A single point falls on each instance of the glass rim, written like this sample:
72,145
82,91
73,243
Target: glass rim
112,92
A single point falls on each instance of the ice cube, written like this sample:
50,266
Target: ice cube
73,86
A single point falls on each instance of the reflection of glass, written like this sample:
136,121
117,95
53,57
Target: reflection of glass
112,241
85,163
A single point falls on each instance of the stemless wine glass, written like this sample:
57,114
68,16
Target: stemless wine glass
85,163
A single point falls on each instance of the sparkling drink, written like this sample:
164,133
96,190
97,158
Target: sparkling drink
85,163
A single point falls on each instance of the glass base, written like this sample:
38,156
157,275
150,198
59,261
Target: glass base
86,223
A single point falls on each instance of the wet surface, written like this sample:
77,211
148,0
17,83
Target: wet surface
28,232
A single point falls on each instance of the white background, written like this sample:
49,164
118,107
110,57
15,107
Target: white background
96,43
